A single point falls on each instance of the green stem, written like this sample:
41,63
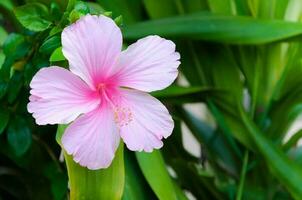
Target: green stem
242,176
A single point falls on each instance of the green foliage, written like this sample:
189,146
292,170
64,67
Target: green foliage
240,58
157,176
207,26
32,16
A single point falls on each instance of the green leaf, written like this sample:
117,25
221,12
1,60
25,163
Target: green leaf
57,55
15,85
80,9
95,184
7,4
3,35
178,94
288,172
242,176
50,44
4,118
15,47
95,9
19,136
12,44
227,29
33,16
136,186
156,174
3,88
2,58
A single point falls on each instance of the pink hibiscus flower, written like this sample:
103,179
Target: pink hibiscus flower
104,93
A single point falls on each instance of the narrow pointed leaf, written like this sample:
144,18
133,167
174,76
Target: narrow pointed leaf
228,29
178,94
287,171
156,174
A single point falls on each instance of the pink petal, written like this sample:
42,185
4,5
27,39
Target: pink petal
58,96
150,121
149,64
92,139
92,45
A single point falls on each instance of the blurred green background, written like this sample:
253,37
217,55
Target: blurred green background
236,103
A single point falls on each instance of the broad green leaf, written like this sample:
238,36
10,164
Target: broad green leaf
227,29
95,184
15,47
19,136
50,44
4,118
12,44
33,16
156,174
57,55
80,9
284,169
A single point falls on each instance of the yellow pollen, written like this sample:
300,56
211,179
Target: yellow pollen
122,116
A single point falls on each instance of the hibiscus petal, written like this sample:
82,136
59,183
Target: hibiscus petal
92,45
92,139
149,64
58,96
149,121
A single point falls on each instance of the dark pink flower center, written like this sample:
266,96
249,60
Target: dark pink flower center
110,95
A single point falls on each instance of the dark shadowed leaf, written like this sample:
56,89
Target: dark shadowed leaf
19,136
4,118
50,44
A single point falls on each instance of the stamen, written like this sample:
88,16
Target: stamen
122,116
